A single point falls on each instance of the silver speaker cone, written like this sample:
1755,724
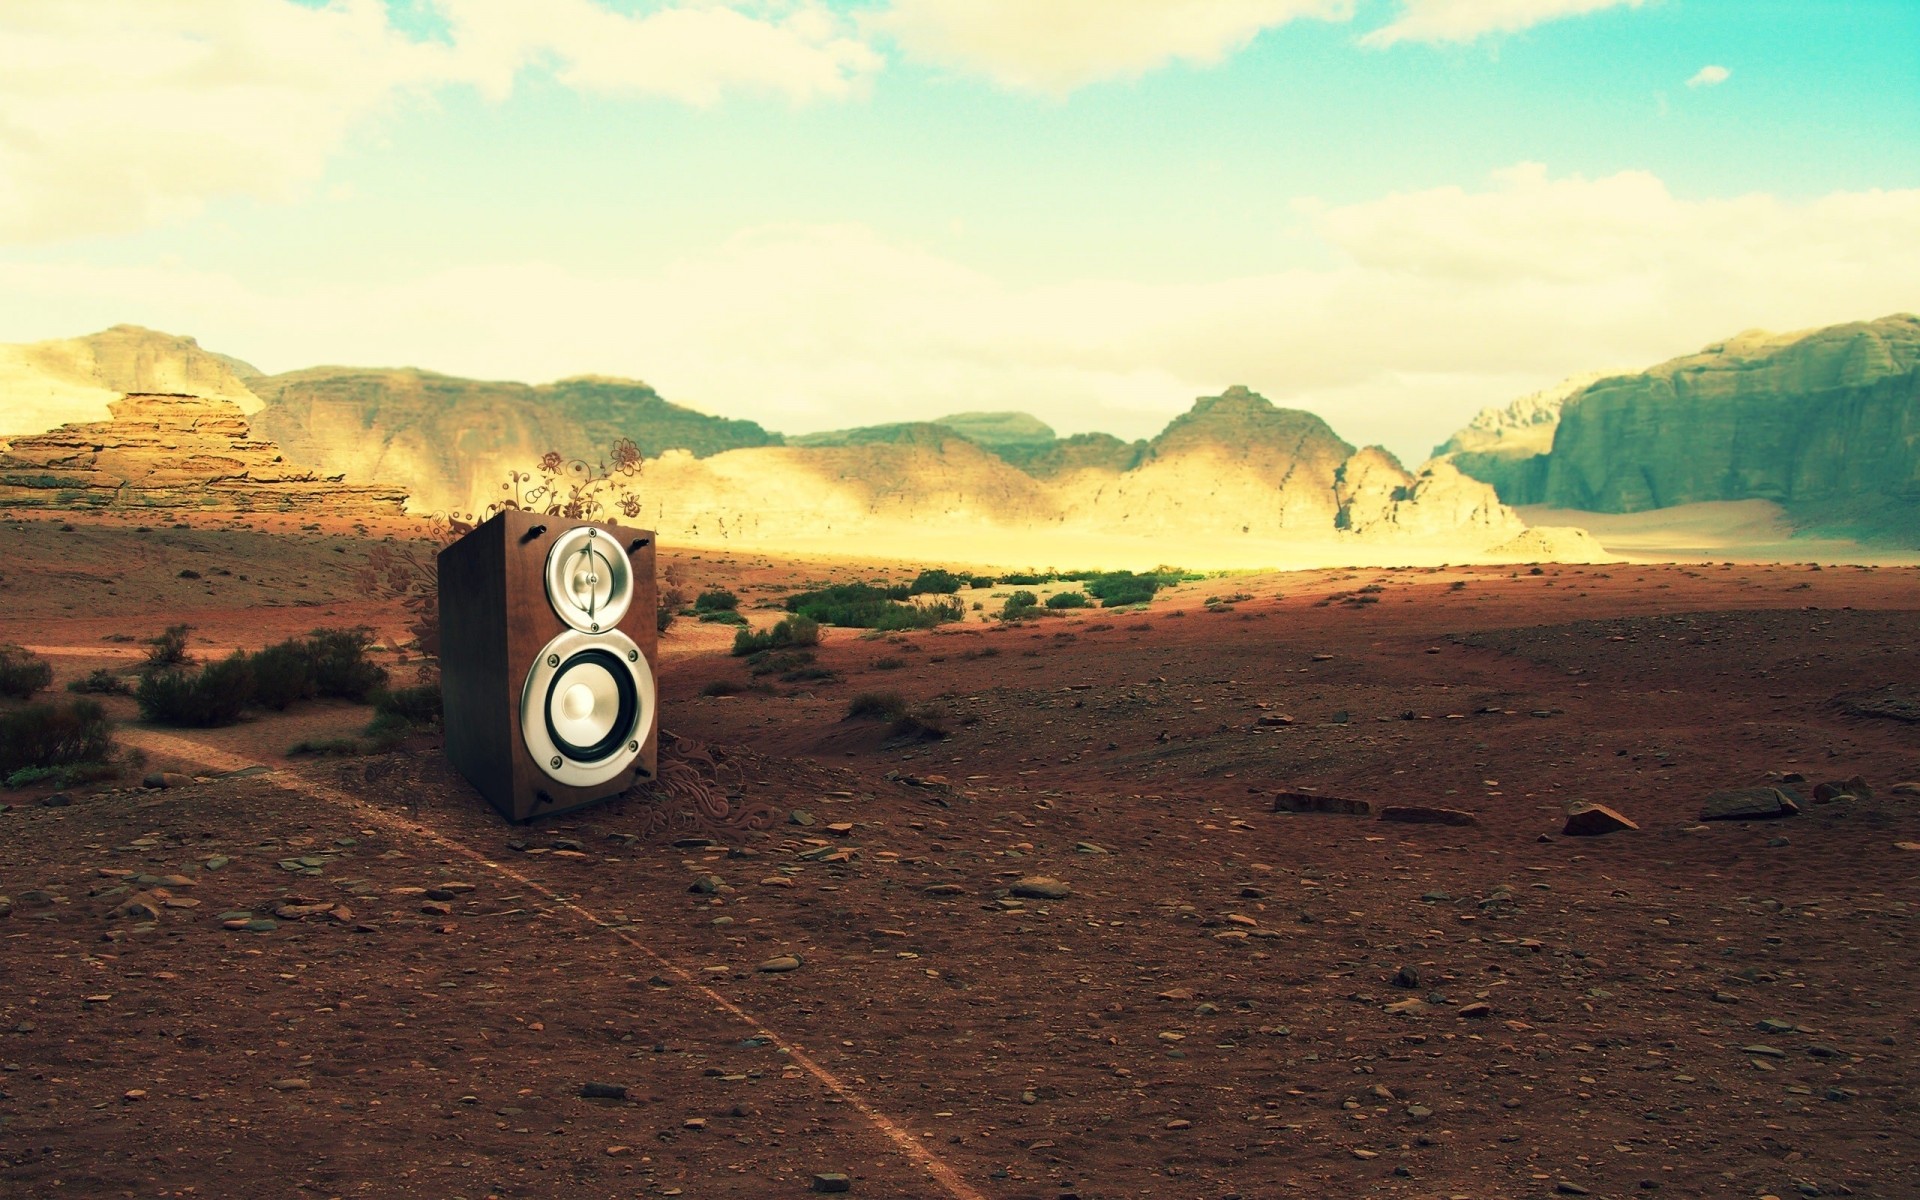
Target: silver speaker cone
586,707
589,582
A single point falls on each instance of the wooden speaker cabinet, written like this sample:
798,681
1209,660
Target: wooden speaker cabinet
547,647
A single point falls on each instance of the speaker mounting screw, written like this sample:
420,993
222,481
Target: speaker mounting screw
553,660
593,533
633,656
632,746
555,762
593,626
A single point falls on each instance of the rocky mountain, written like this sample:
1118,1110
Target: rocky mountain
1825,422
440,433
1505,446
167,451
70,380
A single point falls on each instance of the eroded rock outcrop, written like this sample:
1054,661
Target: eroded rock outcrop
165,450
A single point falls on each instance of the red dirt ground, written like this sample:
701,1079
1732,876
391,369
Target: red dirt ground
1206,1015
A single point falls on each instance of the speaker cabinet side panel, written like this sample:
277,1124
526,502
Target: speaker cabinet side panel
475,672
642,626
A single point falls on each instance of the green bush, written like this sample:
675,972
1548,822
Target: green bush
980,581
282,674
1067,600
101,682
169,649
418,705
722,616
889,663
935,581
722,687
793,631
1116,588
216,695
662,617
887,706
772,662
1026,579
340,666
1020,604
863,606
718,600
22,672
52,735
921,725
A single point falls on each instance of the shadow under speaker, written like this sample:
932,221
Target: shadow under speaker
547,650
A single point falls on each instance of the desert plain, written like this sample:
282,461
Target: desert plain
1075,947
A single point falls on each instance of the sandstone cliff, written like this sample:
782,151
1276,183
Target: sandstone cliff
44,384
1821,422
169,451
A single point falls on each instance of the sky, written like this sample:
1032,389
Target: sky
817,215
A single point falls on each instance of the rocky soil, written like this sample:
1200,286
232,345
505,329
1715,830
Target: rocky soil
1070,949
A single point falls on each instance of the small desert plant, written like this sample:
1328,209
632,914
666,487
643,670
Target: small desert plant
282,674
920,725
935,581
215,695
772,662
1067,600
340,666
793,631
418,705
890,663
887,706
979,581
44,736
1020,604
662,617
721,616
722,687
101,682
718,600
22,672
169,649
810,675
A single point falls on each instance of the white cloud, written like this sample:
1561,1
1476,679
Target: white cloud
1710,75
1435,302
1466,20
692,53
121,114
1058,45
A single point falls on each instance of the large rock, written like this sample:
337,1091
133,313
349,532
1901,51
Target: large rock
165,450
1748,804
1306,802
1594,820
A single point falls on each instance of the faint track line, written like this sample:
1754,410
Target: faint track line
189,750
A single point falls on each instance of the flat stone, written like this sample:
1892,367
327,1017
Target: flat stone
707,885
800,816
1419,814
944,889
292,1084
1594,820
1274,720
1307,802
57,800
832,1181
1088,848
1748,804
603,1091
780,964
1479,1010
1042,887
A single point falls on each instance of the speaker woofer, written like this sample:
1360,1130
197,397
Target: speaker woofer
589,582
586,699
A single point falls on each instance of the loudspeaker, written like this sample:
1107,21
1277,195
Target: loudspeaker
547,646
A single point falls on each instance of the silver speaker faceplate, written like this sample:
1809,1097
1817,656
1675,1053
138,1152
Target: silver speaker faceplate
589,581
585,706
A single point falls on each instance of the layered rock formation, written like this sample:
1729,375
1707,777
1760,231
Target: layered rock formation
44,384
170,451
1507,446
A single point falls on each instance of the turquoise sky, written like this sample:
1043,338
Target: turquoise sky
905,209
